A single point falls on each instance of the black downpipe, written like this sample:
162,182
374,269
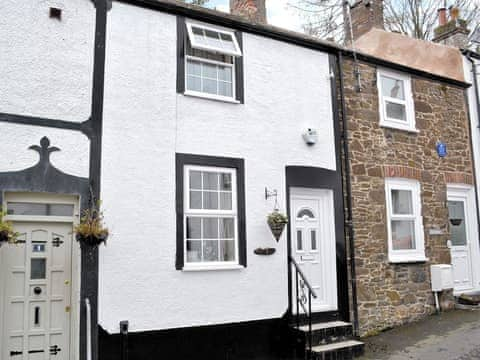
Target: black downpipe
348,185
89,254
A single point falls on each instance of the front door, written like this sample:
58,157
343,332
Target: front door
36,293
313,243
462,223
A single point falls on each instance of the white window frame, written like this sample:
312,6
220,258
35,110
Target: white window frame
411,255
409,124
196,45
187,211
208,95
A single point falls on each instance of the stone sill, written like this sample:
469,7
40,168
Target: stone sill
409,261
393,127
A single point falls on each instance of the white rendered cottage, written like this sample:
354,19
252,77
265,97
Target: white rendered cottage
195,117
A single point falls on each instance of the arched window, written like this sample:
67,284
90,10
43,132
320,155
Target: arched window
305,212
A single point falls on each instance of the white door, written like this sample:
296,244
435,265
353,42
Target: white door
462,242
36,295
313,243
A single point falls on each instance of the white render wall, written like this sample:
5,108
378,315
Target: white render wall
46,70
287,90
46,65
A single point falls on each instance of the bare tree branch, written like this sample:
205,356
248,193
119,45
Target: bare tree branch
416,18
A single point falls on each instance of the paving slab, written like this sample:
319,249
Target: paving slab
453,335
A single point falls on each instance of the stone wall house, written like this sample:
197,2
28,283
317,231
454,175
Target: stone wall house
396,123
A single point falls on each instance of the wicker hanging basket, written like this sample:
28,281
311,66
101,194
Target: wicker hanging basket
4,237
277,222
92,240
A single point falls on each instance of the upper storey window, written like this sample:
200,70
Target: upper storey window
396,102
212,62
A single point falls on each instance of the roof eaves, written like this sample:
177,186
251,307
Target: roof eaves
236,22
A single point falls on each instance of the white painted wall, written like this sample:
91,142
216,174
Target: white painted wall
16,139
46,65
287,90
475,133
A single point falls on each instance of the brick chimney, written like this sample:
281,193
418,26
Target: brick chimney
366,15
253,10
452,31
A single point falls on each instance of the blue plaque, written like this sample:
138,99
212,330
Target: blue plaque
441,149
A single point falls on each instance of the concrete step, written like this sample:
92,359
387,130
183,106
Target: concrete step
325,325
342,350
326,332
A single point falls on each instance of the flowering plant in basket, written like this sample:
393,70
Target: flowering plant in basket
277,222
7,234
91,229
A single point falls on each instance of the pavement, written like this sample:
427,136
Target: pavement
453,335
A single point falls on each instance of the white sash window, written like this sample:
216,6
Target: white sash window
396,101
210,217
405,228
210,55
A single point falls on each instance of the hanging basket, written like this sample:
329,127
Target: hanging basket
4,237
92,240
277,222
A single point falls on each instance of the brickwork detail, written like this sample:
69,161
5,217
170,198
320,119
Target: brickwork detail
253,10
392,294
458,178
402,172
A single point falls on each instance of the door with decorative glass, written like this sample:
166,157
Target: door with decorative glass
462,224
313,243
36,295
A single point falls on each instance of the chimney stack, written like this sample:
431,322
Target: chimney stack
452,31
252,10
365,15
442,16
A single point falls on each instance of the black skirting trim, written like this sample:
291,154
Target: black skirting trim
265,339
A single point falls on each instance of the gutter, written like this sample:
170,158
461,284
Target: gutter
235,22
348,189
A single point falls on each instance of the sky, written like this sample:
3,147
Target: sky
278,13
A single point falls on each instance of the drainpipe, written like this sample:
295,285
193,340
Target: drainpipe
348,185
475,85
477,102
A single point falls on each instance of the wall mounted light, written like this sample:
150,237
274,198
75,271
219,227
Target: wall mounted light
310,136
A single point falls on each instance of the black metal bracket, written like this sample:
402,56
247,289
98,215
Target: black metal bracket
54,350
57,242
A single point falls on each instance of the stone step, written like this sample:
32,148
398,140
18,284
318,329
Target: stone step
325,333
342,350
325,325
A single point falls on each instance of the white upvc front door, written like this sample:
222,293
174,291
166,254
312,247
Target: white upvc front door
463,242
313,243
36,284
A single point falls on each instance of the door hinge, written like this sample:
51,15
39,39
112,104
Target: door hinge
14,353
